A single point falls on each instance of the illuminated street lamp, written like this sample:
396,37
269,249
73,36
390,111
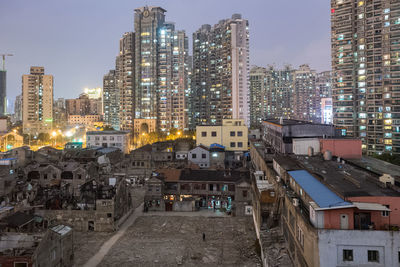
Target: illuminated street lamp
54,134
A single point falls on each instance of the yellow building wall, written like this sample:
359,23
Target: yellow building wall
223,135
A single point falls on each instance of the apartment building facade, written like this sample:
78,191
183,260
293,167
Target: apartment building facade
366,91
220,75
37,101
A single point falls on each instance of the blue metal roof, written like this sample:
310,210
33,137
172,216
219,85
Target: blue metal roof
216,145
321,194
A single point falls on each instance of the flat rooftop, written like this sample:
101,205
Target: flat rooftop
106,132
292,122
344,179
378,166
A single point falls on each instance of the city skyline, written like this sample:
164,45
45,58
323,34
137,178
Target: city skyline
96,49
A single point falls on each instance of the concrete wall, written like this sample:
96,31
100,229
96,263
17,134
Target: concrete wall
79,219
203,163
55,250
183,206
301,145
377,218
344,148
332,243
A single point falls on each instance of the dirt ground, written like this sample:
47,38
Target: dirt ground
177,240
167,239
86,244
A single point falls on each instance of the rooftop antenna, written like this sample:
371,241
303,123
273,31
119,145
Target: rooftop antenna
4,59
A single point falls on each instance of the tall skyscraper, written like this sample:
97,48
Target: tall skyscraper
59,112
306,99
18,108
220,77
323,83
151,76
3,91
37,101
172,78
148,24
111,100
271,93
365,56
125,66
258,95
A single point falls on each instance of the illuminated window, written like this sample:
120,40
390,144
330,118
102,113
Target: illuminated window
361,3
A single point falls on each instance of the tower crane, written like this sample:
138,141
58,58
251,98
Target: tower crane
4,59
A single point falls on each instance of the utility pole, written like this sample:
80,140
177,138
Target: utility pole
4,59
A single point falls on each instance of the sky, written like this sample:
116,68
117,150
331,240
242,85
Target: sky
77,40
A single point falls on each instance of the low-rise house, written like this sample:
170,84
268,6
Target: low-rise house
181,155
52,248
200,156
118,139
189,189
99,206
232,134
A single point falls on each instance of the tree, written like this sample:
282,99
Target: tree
44,137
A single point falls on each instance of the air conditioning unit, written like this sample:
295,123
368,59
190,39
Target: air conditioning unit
295,202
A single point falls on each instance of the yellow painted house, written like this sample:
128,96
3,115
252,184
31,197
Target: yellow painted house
232,134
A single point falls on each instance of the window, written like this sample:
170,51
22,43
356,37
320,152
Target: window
347,255
109,215
300,236
385,213
239,133
45,176
204,134
232,133
373,256
104,138
244,193
240,144
233,144
194,156
203,156
214,134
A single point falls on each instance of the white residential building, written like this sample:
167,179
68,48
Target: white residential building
119,139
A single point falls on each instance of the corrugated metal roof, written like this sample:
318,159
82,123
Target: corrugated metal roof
321,194
61,229
370,206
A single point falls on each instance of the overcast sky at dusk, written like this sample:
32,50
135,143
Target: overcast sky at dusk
77,40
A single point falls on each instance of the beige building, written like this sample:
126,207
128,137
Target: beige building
37,101
84,105
232,134
83,119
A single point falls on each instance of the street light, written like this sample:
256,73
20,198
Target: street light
54,134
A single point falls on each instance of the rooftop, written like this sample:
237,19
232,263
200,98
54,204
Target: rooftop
378,166
106,132
286,122
214,175
321,194
345,179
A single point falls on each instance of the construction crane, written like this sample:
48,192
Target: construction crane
4,59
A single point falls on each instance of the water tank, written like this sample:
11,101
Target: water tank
310,151
236,16
328,155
